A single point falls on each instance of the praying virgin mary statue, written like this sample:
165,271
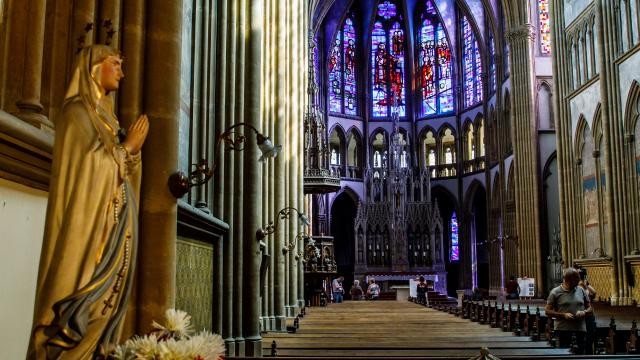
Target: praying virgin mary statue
90,240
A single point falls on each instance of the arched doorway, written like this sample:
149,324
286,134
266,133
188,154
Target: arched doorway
448,207
474,245
343,214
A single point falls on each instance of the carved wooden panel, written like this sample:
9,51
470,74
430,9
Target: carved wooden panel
635,270
194,281
600,278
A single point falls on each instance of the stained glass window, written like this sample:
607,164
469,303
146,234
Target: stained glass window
471,65
454,254
388,61
492,64
342,70
435,64
545,29
349,46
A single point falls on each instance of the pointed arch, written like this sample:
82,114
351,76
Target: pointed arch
387,53
337,146
632,108
379,148
355,153
342,68
579,138
472,67
435,69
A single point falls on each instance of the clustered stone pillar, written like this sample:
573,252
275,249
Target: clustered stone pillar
157,254
527,187
284,88
566,161
619,232
238,179
30,106
252,187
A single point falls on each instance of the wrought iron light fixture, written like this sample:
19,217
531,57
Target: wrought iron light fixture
292,244
180,183
282,214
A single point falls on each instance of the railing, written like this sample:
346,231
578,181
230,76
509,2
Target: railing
474,165
443,170
349,172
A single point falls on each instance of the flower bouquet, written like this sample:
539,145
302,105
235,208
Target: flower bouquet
173,341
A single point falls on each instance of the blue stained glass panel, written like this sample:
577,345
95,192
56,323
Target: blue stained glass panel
471,65
478,72
445,88
335,75
349,46
397,67
467,58
387,10
378,76
492,58
454,254
428,68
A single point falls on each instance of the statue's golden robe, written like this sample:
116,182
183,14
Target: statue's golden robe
90,240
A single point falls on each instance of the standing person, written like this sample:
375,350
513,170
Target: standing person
422,290
512,288
373,291
356,291
590,320
338,290
89,248
569,304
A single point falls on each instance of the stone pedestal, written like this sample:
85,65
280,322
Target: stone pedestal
460,297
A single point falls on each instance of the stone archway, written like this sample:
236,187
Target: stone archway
343,214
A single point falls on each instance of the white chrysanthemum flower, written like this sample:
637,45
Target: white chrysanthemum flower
178,324
145,347
208,346
174,350
172,342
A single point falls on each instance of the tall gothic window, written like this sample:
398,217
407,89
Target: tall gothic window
435,64
493,82
454,253
387,61
471,65
342,70
545,28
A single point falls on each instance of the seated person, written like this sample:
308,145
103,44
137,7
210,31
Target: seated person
512,288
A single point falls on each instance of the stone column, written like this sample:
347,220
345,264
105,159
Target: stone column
157,253
252,187
302,86
29,105
131,91
109,10
131,87
562,84
619,234
223,184
240,11
214,154
525,159
279,175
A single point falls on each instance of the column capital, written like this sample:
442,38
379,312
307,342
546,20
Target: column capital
522,32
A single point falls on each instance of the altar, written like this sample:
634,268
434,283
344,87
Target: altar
401,280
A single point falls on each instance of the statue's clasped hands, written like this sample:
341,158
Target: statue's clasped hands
136,134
